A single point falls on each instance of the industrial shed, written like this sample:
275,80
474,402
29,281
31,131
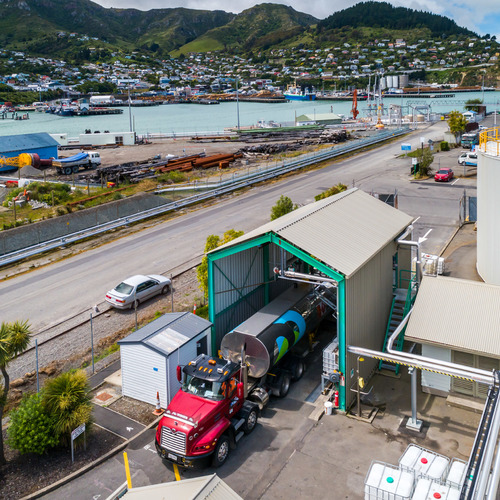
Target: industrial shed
319,119
350,237
149,356
456,320
40,143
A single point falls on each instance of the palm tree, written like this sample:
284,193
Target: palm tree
14,339
66,398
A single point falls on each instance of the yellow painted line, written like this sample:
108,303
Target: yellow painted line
127,470
176,472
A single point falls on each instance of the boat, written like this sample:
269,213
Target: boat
295,93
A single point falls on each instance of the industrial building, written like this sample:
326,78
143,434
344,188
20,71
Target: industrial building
318,119
350,239
40,143
455,321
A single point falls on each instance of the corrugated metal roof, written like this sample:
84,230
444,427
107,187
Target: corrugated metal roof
458,314
24,142
168,332
197,488
344,231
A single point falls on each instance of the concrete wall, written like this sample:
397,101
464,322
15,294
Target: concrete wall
39,232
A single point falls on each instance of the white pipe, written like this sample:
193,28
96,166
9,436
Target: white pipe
413,357
303,276
484,473
411,243
491,493
458,371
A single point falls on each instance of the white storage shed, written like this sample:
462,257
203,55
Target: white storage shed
149,356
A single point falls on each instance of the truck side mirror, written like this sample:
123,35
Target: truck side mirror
179,373
239,390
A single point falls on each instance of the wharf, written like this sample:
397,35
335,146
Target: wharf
98,111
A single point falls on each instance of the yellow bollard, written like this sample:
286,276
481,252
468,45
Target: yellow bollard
127,470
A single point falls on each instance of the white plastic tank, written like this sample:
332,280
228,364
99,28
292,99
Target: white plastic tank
388,79
383,83
424,462
456,473
395,81
426,489
388,482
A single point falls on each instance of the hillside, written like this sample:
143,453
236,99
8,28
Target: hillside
261,26
35,26
384,15
23,22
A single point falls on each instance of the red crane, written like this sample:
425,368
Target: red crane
354,110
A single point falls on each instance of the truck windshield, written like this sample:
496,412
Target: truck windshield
203,388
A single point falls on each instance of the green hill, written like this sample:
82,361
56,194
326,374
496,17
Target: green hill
261,26
384,15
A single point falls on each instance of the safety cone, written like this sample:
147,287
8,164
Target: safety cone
158,410
194,308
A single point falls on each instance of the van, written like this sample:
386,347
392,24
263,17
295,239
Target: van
468,158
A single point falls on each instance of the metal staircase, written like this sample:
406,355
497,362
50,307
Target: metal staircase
401,305
395,317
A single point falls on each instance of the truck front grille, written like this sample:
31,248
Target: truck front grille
173,440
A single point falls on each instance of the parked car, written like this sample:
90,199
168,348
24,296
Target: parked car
138,288
467,158
444,175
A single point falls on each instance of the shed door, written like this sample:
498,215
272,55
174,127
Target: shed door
143,374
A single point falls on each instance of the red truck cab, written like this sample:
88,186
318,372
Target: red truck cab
207,415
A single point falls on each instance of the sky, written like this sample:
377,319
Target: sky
480,16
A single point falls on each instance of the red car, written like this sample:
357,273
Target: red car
444,175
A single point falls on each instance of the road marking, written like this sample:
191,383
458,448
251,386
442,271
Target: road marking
455,181
176,471
148,447
130,429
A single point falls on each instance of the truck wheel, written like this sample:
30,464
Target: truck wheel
67,170
134,304
284,385
298,369
75,169
221,451
165,289
250,421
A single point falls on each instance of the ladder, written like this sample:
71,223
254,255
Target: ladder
398,310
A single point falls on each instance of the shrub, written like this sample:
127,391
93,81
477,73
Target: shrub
31,429
67,399
283,206
330,192
444,146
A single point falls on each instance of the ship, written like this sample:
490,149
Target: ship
295,93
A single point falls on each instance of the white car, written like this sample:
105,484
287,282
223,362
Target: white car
137,288
467,158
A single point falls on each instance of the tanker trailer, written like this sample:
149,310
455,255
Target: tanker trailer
221,398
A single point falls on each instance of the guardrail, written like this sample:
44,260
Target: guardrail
222,188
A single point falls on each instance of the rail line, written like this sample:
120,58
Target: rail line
220,189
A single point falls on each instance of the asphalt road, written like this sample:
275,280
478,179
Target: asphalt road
52,293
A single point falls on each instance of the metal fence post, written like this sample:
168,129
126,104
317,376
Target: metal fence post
37,373
92,340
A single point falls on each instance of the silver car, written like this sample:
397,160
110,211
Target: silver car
138,288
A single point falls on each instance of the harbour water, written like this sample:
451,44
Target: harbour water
196,118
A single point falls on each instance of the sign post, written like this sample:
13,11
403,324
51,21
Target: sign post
74,434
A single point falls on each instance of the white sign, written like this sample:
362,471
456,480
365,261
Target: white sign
414,161
422,140
75,433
